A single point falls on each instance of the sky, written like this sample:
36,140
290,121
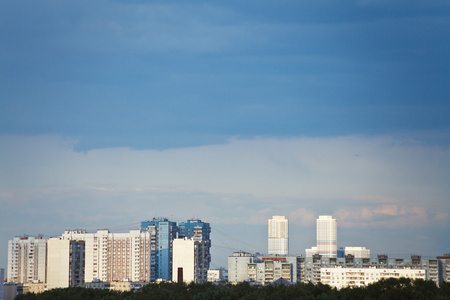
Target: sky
116,112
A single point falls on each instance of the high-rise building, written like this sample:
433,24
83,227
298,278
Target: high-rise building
278,235
114,256
162,233
199,231
27,259
66,263
190,260
327,236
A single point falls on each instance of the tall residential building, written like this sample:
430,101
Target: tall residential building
114,256
198,231
278,235
66,263
27,259
162,233
190,260
327,236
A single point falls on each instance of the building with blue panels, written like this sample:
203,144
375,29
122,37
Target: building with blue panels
198,231
195,229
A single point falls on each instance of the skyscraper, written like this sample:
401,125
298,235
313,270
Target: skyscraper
162,234
278,235
327,236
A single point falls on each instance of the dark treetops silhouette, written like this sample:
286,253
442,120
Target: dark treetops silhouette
391,288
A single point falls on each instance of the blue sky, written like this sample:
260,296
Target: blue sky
230,111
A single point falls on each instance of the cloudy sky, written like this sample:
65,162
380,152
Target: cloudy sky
115,112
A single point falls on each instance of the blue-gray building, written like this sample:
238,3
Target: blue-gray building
198,231
162,233
195,229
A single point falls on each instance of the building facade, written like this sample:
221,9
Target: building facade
278,235
200,231
27,259
312,269
444,267
359,277
216,275
114,256
357,252
2,280
65,263
162,233
326,236
237,265
190,261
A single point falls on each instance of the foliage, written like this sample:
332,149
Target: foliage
391,288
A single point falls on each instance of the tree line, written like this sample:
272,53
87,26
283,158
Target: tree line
392,288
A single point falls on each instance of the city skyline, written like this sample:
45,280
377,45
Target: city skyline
229,112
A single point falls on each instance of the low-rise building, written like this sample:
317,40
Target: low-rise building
359,277
36,287
216,275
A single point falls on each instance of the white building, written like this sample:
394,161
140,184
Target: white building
310,252
357,252
27,259
278,235
65,260
358,277
190,260
114,256
215,275
327,236
183,264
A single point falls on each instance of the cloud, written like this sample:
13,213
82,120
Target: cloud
391,185
279,173
390,216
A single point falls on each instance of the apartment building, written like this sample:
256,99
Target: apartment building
27,259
